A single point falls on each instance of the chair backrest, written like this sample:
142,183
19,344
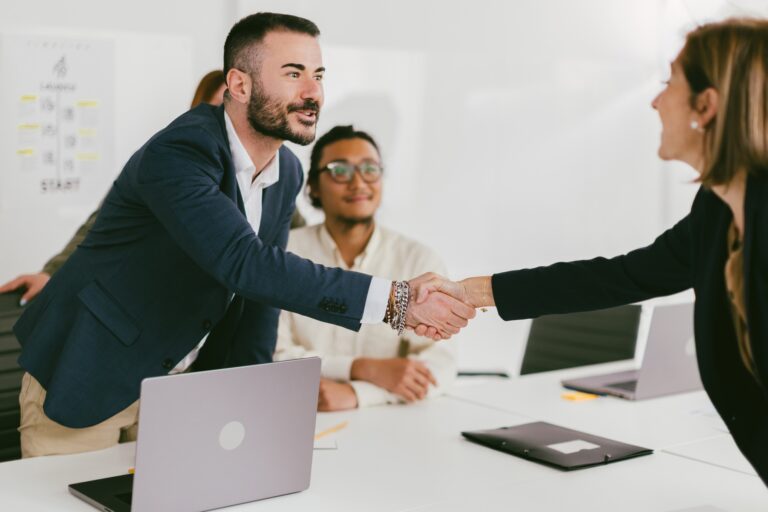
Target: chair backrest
10,377
578,339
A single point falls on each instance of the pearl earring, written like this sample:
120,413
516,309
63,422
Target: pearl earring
695,126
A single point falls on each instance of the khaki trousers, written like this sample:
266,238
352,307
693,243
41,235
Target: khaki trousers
43,436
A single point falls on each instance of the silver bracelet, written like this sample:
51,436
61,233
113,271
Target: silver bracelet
397,317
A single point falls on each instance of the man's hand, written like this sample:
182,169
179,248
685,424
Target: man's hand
430,282
34,284
336,396
406,378
439,316
476,292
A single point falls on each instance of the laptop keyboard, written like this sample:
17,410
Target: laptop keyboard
125,497
629,385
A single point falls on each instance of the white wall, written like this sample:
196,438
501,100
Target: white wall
161,51
532,138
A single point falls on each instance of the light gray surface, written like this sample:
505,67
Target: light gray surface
669,363
720,451
223,437
656,483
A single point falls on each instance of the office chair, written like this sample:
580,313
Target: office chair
10,377
578,339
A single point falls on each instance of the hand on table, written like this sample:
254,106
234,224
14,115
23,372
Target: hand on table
439,307
336,396
406,378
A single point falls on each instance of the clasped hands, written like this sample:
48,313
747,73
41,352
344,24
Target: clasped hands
440,307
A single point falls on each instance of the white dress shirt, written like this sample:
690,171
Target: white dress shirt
252,191
387,254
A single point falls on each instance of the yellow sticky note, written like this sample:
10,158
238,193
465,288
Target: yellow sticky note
577,396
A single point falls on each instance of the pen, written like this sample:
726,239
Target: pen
331,430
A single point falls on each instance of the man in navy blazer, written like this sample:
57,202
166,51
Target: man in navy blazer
186,262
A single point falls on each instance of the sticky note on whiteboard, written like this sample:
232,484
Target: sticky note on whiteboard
574,446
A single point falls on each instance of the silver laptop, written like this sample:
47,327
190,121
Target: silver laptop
217,438
669,364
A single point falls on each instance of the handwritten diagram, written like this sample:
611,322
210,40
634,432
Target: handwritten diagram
59,93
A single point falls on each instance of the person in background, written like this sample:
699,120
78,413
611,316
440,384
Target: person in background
714,117
210,90
373,366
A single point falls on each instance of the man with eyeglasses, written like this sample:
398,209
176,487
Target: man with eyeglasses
373,366
185,263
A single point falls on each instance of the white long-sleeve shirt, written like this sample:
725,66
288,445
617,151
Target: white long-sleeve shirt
388,254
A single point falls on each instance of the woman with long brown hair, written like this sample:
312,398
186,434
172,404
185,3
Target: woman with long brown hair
714,116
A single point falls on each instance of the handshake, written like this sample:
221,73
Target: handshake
439,308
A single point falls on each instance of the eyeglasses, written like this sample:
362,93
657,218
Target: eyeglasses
344,172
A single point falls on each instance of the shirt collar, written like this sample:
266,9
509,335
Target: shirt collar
330,245
242,160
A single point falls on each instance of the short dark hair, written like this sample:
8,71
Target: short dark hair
335,134
249,31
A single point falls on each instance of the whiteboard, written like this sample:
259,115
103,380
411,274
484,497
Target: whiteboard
58,94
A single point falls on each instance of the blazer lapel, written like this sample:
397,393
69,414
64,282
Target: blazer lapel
751,202
711,296
270,208
271,201
753,196
229,182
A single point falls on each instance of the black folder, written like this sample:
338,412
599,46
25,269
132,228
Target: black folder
556,446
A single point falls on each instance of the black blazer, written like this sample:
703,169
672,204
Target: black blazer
690,254
169,248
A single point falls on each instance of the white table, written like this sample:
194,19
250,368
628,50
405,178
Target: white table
413,458
656,423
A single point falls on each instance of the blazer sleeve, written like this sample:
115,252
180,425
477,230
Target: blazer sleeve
55,263
662,268
177,179
257,334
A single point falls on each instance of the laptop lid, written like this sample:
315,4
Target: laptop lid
669,363
218,438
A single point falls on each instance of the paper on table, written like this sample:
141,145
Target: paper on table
322,441
326,444
574,446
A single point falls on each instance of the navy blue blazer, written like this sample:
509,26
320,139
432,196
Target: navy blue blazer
157,271
690,254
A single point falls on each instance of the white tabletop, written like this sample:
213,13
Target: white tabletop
413,458
656,423
720,451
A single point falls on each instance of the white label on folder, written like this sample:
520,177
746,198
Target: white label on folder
574,446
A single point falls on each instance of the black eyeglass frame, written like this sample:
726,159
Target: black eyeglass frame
355,168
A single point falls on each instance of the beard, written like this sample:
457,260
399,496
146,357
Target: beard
351,222
269,116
